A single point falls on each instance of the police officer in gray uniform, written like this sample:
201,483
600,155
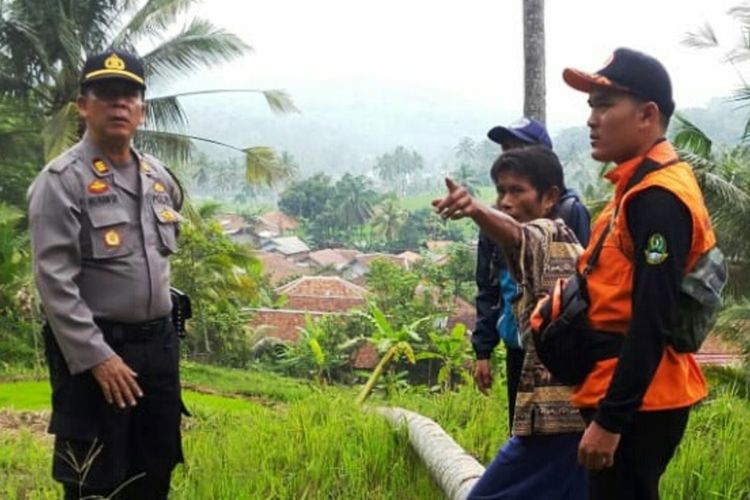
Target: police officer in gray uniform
104,221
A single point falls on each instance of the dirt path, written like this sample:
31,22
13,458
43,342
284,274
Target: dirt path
15,421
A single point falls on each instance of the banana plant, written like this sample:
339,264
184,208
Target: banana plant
453,351
392,344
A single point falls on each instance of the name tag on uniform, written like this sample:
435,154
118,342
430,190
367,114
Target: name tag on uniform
105,199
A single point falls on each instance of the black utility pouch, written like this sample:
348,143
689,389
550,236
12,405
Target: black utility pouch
181,310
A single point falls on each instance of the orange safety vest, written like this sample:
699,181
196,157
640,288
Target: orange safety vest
678,381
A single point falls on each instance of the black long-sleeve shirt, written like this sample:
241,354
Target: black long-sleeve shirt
489,259
651,213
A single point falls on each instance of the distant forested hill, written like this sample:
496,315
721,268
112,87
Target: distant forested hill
345,132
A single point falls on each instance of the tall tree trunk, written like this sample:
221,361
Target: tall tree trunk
534,104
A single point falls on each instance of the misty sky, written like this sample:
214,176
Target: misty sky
471,50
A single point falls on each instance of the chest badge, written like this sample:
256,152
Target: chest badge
112,238
100,166
159,187
98,187
168,215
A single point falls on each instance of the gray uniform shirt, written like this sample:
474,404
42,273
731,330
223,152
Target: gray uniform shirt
100,247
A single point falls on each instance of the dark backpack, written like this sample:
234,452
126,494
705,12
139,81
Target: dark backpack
699,302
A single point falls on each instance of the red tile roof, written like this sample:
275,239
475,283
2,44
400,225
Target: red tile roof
277,222
329,257
283,324
231,223
463,312
347,253
410,257
322,286
279,268
323,294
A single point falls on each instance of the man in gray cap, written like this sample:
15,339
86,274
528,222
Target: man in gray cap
104,221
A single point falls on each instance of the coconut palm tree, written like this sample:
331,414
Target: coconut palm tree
43,46
398,165
389,218
534,103
354,200
465,151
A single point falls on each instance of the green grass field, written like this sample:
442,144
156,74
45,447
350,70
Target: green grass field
258,435
424,200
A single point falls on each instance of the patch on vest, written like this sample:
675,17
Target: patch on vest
656,249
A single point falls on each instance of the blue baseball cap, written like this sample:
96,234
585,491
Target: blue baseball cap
526,130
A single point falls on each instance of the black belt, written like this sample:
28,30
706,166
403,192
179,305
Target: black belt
116,331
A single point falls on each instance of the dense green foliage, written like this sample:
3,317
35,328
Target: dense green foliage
221,278
349,213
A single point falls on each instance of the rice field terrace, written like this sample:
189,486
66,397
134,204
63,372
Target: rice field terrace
258,435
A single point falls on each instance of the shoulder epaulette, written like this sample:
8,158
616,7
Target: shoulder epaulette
60,165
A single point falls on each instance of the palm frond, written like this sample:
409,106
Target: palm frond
70,44
262,166
688,136
699,163
199,45
741,13
171,147
61,131
703,38
165,113
94,21
208,209
152,19
278,100
18,35
12,86
738,55
730,196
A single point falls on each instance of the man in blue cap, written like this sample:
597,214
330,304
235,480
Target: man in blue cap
496,288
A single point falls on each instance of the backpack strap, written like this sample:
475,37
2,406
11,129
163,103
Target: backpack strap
646,167
565,209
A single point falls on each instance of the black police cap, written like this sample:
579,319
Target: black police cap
113,65
631,71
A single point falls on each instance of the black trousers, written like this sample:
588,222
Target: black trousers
646,447
100,448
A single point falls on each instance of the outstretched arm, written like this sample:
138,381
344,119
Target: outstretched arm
458,203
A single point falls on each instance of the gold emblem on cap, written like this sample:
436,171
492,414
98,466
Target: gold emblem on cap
100,166
114,62
112,238
168,215
159,187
